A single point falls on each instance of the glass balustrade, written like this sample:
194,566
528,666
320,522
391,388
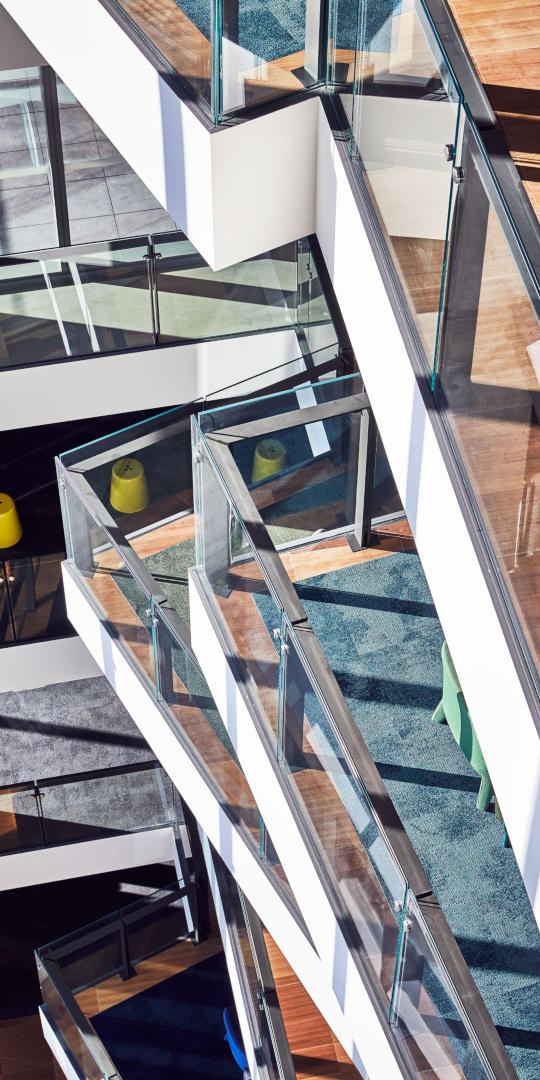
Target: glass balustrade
85,806
406,108
32,600
151,291
150,618
75,302
287,679
111,946
182,32
487,378
26,222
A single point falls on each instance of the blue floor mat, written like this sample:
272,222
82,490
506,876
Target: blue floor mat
379,630
174,1030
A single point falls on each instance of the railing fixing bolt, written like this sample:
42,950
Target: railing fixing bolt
276,633
197,457
407,925
148,611
449,151
398,906
458,175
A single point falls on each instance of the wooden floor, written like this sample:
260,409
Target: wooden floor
149,973
24,1054
314,1048
503,40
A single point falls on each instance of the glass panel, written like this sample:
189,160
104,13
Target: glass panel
154,926
125,802
30,323
91,959
20,825
405,118
309,479
238,588
267,55
197,303
51,309
181,31
183,688
313,314
110,296
433,1033
163,487
339,815
489,373
108,579
343,20
28,215
37,597
6,625
274,404
85,1047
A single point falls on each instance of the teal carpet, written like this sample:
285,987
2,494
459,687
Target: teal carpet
380,632
277,28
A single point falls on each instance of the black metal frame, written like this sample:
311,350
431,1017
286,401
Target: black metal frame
49,92
219,444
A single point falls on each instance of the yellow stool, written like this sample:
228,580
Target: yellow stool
129,491
270,457
10,526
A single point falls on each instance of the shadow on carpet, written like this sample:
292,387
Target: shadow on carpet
173,1030
379,630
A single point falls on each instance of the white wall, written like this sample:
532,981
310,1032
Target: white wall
153,379
26,868
230,192
501,716
41,663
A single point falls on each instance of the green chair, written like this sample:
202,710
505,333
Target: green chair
453,709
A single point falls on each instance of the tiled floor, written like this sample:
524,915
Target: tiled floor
106,199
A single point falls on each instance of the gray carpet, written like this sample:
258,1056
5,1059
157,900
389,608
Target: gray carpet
380,632
69,728
65,728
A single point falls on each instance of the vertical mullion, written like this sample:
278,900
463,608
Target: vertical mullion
51,111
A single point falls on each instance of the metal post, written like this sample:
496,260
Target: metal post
464,270
201,912
128,971
292,697
56,157
360,476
